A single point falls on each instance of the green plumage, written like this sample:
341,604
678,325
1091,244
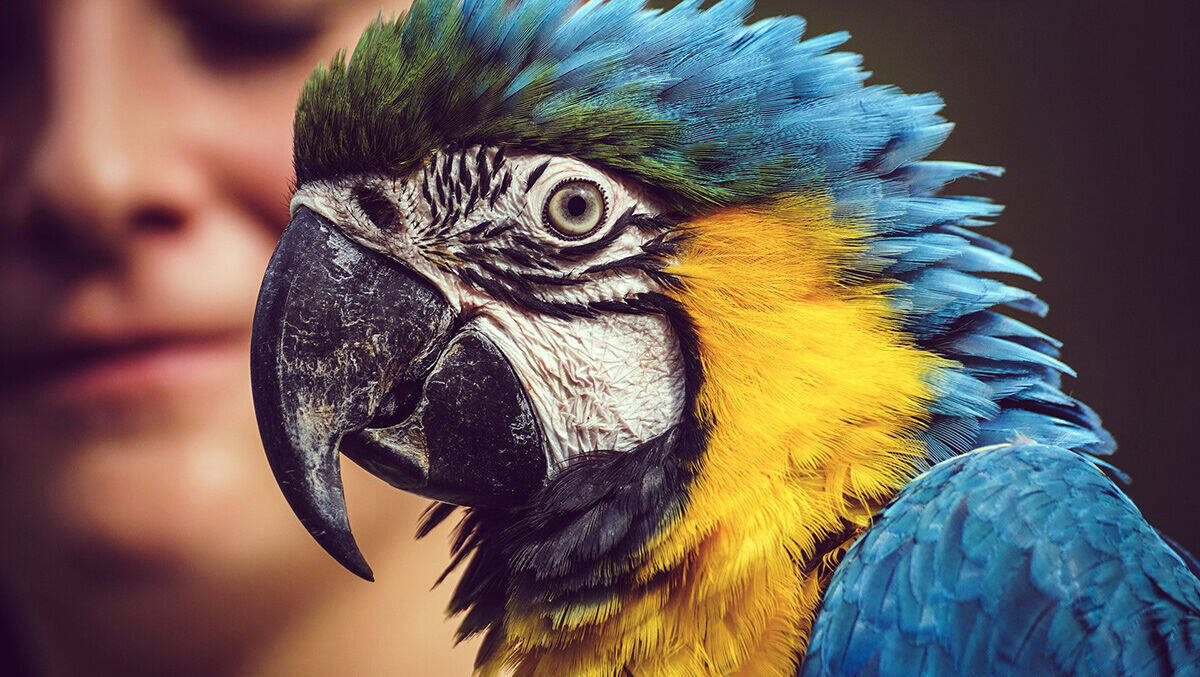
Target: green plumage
417,84
708,112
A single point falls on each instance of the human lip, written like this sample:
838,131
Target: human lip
138,365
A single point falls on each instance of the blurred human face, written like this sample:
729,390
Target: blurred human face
144,168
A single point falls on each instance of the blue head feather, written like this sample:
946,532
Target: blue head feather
712,113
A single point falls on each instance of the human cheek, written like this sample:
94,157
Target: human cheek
244,122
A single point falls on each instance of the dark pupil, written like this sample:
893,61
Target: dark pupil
576,206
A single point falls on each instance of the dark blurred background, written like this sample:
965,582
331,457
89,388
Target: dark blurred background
1091,108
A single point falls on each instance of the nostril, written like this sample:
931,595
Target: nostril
155,218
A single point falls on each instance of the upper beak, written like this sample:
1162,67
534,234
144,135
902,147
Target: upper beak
336,330
352,350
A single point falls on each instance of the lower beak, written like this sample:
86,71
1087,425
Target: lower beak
353,351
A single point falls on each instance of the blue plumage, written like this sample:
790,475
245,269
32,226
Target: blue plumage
710,113
1017,560
1021,559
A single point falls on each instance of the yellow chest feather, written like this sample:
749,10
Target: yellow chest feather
812,394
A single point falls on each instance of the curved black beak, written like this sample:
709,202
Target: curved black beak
353,352
337,330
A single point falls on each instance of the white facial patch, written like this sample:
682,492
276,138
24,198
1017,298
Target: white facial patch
479,228
608,383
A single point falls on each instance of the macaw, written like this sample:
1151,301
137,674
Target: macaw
672,308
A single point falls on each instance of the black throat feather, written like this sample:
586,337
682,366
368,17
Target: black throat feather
580,539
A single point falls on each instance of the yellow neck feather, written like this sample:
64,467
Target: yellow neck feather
812,393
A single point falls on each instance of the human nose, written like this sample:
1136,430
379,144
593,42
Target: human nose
104,166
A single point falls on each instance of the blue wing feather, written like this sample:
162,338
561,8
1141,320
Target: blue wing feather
1018,559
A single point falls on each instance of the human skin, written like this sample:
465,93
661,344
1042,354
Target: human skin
145,151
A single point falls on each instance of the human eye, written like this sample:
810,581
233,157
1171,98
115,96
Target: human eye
228,35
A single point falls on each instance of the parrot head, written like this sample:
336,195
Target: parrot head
670,303
463,330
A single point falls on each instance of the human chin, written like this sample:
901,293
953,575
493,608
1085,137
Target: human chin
167,478
178,486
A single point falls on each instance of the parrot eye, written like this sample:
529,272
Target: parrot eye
575,208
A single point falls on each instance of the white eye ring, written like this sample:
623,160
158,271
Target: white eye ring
575,208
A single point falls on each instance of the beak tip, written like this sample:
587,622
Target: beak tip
345,550
361,569
357,564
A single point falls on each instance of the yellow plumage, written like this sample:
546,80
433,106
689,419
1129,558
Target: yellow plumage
813,394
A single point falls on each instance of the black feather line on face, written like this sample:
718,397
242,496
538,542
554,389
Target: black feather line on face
447,165
472,201
543,279
425,190
579,540
504,227
505,183
518,285
441,195
438,181
453,188
464,175
535,175
452,217
622,306
519,269
520,258
647,263
481,168
496,179
478,229
525,242
455,193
